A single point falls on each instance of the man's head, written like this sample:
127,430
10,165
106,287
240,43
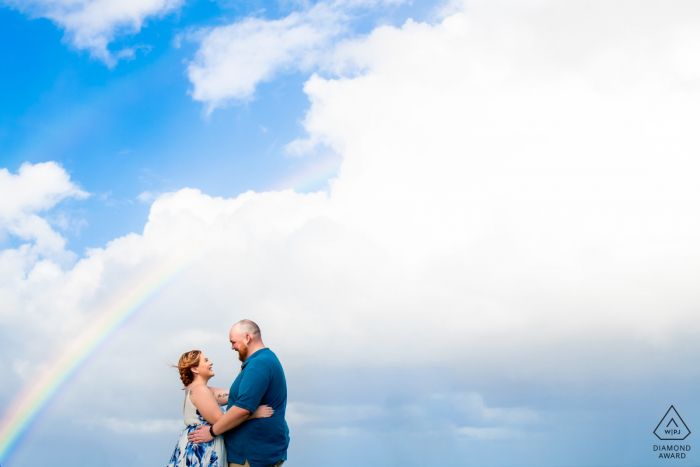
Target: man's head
245,338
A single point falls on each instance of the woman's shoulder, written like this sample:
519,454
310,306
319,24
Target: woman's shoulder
198,390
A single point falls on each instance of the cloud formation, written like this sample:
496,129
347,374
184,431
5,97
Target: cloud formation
233,59
496,194
516,204
33,190
92,24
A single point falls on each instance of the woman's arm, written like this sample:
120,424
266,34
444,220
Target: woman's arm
232,418
206,403
263,411
221,395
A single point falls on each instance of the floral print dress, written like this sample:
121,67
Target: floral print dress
187,454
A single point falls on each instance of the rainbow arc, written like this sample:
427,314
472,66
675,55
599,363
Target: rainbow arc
22,413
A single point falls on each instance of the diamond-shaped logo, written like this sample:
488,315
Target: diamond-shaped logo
671,427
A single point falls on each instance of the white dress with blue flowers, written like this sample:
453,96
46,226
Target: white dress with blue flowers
187,454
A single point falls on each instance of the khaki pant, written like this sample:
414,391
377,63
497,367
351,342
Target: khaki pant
231,464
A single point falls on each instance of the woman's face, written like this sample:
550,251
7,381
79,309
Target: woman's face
204,367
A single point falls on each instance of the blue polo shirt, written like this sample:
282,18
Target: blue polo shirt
261,441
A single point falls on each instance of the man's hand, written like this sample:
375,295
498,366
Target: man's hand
231,419
200,435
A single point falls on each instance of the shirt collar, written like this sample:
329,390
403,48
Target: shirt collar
253,356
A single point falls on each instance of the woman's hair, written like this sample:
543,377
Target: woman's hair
188,361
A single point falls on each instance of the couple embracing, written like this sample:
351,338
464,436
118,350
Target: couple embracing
251,431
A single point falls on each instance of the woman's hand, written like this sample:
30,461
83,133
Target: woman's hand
263,411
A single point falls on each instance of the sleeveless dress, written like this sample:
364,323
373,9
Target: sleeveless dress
187,454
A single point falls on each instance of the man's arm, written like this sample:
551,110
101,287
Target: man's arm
252,387
231,419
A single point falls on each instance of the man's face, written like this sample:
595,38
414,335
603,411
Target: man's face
238,343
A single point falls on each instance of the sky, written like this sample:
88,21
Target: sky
467,228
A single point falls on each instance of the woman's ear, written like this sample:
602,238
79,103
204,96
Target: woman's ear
194,370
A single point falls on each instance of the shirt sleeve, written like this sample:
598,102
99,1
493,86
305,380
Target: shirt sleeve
254,384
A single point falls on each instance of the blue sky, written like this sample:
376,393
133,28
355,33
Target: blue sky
134,128
468,228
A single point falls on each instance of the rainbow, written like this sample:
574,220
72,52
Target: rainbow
23,412
312,177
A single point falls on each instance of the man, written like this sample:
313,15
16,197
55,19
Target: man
261,442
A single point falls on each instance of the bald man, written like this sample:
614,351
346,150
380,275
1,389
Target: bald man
260,442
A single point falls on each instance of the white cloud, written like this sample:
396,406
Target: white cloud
473,404
233,59
146,197
35,188
31,274
464,406
300,413
486,184
151,426
92,24
517,203
489,433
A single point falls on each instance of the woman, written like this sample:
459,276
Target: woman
202,406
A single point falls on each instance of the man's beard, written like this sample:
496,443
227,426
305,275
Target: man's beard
242,352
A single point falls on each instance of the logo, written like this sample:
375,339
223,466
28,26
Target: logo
671,427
